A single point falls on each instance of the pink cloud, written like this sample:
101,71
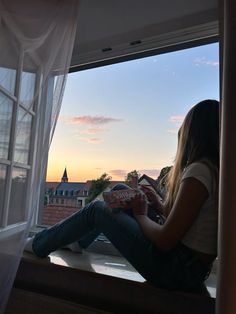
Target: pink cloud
119,173
153,173
92,131
93,140
91,120
177,119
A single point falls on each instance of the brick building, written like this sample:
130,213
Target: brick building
63,199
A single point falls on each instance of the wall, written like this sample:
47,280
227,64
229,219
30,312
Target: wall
54,213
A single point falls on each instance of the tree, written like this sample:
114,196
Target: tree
130,175
163,174
98,186
161,180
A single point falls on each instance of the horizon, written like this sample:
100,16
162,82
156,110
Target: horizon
123,117
59,181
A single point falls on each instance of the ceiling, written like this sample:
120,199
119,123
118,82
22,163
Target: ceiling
111,30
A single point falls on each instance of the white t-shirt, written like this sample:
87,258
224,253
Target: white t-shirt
202,236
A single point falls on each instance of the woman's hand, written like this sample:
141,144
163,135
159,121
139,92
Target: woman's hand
152,198
139,204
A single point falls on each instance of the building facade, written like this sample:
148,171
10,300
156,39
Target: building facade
63,199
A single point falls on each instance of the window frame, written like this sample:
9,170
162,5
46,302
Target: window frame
7,228
129,57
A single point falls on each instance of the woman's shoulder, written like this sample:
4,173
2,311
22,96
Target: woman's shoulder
202,171
200,166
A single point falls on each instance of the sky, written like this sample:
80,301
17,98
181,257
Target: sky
125,117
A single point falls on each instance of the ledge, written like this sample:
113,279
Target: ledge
104,292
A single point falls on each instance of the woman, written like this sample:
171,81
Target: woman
177,255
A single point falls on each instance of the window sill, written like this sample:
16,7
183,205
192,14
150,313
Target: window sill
104,283
102,257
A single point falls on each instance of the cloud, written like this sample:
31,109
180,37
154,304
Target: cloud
84,121
204,61
92,131
212,62
93,140
177,119
154,173
122,173
118,172
90,120
172,131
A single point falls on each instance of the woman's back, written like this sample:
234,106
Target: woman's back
202,236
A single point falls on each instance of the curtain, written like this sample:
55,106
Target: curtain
36,42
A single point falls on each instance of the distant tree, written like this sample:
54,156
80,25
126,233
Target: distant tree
130,175
161,180
98,186
163,173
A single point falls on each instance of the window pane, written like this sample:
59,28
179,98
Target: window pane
27,89
18,196
6,106
8,79
3,170
23,133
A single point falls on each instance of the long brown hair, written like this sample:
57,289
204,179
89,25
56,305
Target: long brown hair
198,139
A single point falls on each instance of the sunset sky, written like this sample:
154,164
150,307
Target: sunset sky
122,117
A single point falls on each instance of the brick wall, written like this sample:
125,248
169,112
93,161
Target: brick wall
52,214
64,201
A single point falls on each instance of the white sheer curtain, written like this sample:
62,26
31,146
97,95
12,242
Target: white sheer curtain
36,42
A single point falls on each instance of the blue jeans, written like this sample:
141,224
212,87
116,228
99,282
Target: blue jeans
177,269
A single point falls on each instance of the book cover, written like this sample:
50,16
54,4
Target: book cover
114,198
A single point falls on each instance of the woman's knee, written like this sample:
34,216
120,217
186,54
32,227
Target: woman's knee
98,205
100,214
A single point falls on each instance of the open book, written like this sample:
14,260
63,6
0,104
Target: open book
115,198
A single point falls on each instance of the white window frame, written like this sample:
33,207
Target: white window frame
204,35
5,228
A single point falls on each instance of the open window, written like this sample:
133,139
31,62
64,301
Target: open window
18,114
143,100
104,36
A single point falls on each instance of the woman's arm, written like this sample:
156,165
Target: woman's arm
191,196
153,199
